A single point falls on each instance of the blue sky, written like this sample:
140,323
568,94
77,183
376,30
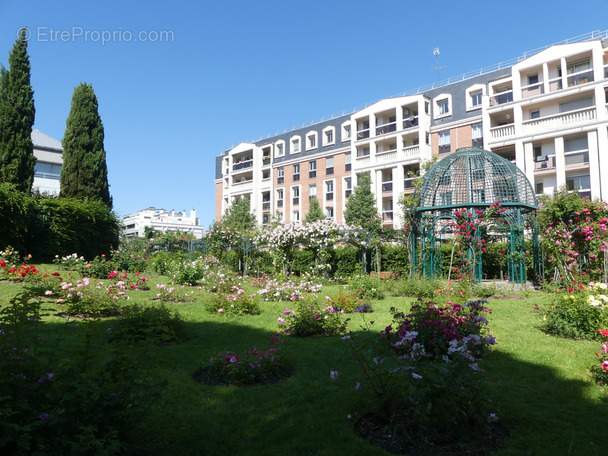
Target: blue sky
213,74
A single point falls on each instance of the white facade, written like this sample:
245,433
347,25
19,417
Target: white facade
49,159
161,220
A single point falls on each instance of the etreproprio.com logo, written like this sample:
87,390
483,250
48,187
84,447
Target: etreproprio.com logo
77,33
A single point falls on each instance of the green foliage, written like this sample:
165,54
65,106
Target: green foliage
61,226
361,208
233,302
312,319
419,287
84,174
253,367
395,258
54,400
345,261
15,207
351,302
156,324
315,213
366,288
238,216
17,114
577,313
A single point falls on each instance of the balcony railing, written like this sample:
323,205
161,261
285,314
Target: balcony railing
444,149
266,205
544,163
387,187
501,98
362,134
574,160
411,151
387,217
386,128
502,132
580,78
362,153
46,175
408,183
329,196
555,84
410,122
279,203
532,89
242,165
558,121
295,201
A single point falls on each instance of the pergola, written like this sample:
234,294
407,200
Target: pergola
466,181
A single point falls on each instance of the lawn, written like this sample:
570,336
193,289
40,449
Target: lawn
540,385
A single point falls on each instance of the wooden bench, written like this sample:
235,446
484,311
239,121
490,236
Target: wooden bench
385,275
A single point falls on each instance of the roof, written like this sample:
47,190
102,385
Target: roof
44,141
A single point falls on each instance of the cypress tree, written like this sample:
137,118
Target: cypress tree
84,174
315,213
17,114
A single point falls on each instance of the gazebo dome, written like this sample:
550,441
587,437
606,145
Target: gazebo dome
474,177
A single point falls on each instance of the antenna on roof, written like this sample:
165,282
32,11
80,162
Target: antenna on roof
437,66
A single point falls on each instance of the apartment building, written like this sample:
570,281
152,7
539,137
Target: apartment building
49,159
161,220
546,111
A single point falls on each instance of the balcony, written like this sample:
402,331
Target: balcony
558,121
544,163
387,217
580,78
577,159
409,183
501,98
502,132
265,161
362,134
411,152
555,84
242,164
386,155
386,128
410,122
532,90
387,187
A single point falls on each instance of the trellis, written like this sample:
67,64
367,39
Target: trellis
469,180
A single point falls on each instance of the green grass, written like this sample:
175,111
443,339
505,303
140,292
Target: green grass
540,385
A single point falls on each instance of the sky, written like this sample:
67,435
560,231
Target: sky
179,82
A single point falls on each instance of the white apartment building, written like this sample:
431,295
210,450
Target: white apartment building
49,159
546,111
161,220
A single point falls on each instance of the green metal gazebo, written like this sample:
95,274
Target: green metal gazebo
472,179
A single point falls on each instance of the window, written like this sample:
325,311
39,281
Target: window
295,216
329,212
363,151
579,73
295,145
328,136
540,188
280,175
348,187
280,197
446,198
477,135
476,98
329,166
578,183
312,169
346,131
347,161
312,191
295,196
47,170
534,114
444,142
329,190
279,149
442,105
296,172
532,79
311,141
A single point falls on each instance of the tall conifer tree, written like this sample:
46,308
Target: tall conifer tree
315,213
84,174
361,207
17,113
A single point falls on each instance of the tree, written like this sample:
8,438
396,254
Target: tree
17,114
361,207
239,217
84,174
315,213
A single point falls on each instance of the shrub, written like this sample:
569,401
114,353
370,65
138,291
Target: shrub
290,290
600,370
312,319
174,294
250,368
156,324
129,260
93,300
350,302
577,311
236,302
415,288
366,288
